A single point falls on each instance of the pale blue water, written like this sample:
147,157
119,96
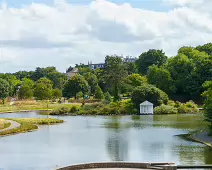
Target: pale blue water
100,139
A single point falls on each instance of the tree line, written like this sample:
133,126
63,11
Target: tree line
180,76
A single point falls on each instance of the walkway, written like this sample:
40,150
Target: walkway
203,136
12,126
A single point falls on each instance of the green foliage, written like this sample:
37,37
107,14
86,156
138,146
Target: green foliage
205,48
77,83
65,110
161,78
115,73
207,94
165,109
146,59
107,98
4,89
25,92
79,95
150,93
56,94
131,68
27,82
92,81
43,89
98,94
188,107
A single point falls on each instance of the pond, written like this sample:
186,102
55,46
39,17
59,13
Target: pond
84,139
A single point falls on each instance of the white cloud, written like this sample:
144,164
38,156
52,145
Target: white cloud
64,34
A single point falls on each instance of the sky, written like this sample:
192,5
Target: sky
60,33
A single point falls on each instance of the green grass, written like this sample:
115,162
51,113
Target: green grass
4,124
29,124
35,106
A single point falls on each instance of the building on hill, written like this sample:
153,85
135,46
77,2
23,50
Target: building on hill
72,73
95,66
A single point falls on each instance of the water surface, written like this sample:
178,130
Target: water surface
83,139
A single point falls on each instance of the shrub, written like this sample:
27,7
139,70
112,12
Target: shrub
107,98
127,107
165,109
98,94
64,110
150,93
79,95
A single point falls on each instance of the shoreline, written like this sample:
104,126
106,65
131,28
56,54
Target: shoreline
200,137
18,111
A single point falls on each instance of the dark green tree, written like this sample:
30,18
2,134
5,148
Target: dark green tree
150,93
25,92
77,83
115,72
4,89
146,59
161,78
43,89
92,81
207,94
131,68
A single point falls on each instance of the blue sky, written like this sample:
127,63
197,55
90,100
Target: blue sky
145,4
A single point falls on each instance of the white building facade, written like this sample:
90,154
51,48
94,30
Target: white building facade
146,108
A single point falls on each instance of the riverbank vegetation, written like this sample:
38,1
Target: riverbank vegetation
29,124
4,124
153,77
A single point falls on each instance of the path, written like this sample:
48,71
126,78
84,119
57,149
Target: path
203,136
12,126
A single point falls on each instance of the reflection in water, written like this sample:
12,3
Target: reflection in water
117,140
83,139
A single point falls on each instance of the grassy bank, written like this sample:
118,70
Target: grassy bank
4,124
29,124
30,106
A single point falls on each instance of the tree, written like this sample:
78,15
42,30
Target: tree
43,89
207,94
98,94
150,93
25,92
92,81
131,68
161,78
4,89
180,68
76,83
146,59
56,94
206,48
115,72
69,69
27,82
107,98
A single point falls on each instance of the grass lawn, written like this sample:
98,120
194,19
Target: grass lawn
4,124
29,124
30,105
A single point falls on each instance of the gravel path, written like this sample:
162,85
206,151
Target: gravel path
12,126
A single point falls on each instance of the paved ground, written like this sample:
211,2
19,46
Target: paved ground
116,169
203,136
12,126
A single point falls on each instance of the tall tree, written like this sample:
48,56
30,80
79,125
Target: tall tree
4,89
161,78
131,68
43,89
92,81
76,83
206,48
146,59
115,73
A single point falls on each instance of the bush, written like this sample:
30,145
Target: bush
127,107
188,107
98,94
65,110
107,98
150,93
79,95
165,109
